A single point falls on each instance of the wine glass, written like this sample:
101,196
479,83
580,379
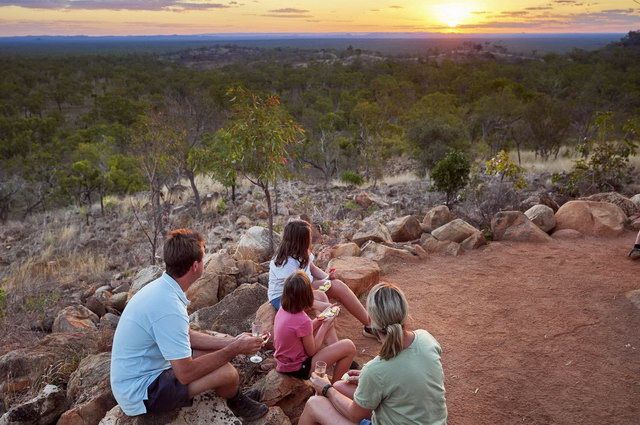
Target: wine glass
256,331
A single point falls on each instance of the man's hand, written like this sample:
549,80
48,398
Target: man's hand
245,343
318,382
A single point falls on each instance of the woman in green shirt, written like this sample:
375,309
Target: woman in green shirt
403,385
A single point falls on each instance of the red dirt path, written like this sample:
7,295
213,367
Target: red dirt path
531,333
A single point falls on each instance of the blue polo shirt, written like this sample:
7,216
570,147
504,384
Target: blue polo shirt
153,329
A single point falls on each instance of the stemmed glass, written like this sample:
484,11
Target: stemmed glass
256,330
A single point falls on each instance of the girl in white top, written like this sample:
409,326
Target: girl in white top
293,254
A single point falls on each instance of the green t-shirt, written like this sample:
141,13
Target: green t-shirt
408,389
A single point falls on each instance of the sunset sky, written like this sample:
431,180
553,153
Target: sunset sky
137,17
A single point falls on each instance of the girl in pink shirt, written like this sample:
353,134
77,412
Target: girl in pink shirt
298,340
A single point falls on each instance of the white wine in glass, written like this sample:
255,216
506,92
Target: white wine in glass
256,331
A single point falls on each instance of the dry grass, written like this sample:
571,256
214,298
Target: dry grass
564,162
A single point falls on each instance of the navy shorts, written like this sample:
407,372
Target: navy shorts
166,393
304,372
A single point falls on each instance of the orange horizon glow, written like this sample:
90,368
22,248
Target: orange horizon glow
136,17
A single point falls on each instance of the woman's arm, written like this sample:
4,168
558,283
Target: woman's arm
343,404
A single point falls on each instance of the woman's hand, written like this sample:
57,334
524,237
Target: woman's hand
331,274
354,376
318,382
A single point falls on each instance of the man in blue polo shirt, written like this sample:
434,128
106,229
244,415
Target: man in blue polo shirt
158,364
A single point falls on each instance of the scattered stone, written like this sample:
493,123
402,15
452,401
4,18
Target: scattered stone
591,218
436,217
234,313
75,318
89,392
385,256
44,409
404,229
144,277
254,245
243,222
96,306
109,320
372,231
626,205
360,274
220,263
515,226
454,231
567,234
474,241
119,301
542,216
122,288
539,199
366,199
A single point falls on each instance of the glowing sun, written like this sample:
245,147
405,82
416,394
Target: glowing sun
452,14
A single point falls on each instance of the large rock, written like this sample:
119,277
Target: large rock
591,218
234,313
203,292
366,199
220,263
285,392
143,278
349,249
515,226
636,200
89,392
454,231
372,231
627,205
265,316
118,301
436,217
206,409
360,274
474,241
404,229
254,245
75,318
542,216
432,245
385,256
44,409
20,368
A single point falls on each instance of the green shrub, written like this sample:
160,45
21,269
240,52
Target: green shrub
451,174
501,165
351,177
221,207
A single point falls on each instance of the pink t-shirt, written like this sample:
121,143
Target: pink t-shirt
288,331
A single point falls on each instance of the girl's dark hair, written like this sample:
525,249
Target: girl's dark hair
297,294
296,241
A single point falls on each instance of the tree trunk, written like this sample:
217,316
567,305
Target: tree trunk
275,191
233,192
518,149
267,196
196,195
101,204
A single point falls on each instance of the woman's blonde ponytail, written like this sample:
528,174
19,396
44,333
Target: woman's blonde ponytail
388,309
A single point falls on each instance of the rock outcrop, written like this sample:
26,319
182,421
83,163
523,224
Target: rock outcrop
44,409
254,245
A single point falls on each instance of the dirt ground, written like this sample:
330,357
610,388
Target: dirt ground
531,333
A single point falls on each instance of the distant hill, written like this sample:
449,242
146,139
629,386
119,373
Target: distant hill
385,43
